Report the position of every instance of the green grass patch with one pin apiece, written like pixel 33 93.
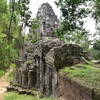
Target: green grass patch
pixel 1 73
pixel 16 96
pixel 87 75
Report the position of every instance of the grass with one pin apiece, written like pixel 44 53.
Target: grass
pixel 1 73
pixel 87 75
pixel 16 96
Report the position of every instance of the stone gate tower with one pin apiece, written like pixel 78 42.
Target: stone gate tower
pixel 47 19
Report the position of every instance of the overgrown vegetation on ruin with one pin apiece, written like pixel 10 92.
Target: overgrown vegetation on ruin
pixel 86 74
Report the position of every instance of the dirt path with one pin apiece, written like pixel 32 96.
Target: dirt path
pixel 3 84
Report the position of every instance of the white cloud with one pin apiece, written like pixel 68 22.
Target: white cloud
pixel 90 25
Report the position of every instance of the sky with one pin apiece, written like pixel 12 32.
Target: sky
pixel 35 4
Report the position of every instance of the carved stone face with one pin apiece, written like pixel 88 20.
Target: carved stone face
pixel 48 20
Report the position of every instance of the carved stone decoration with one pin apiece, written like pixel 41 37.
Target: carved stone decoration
pixel 48 20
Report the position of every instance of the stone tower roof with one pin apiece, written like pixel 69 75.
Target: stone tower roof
pixel 46 11
pixel 48 20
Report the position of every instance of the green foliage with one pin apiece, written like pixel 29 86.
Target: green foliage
pixel 87 75
pixel 33 30
pixel 23 6
pixel 34 40
pixel 11 39
pixel 34 25
pixel 3 16
pixel 11 75
pixel 95 50
pixel 96 45
pixel 96 16
pixel 72 14
pixel 1 73
pixel 29 62
pixel 97 10
pixel 13 65
pixel 16 96
pixel 95 54
pixel 71 26
pixel 3 7
pixel 25 21
pixel 7 54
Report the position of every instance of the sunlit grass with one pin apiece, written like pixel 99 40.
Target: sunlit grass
pixel 87 75
pixel 16 96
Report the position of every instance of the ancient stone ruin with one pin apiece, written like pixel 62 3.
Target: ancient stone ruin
pixel 41 61
pixel 47 19
pixel 38 67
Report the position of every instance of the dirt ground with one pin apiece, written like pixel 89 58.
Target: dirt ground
pixel 4 83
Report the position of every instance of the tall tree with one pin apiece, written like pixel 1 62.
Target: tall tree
pixel 25 15
pixel 97 10
pixel 96 15
pixel 7 50
pixel 73 12
pixel 12 9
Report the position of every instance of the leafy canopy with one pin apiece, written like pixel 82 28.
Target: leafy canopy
pixel 73 11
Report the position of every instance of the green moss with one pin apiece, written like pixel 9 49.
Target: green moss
pixel 16 96
pixel 34 41
pixel 87 75
pixel 29 62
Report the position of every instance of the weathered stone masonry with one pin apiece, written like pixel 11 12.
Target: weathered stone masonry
pixel 41 62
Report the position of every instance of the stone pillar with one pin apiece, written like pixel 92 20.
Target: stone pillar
pixel 54 82
pixel 19 77
pixel 25 79
pixel 32 78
